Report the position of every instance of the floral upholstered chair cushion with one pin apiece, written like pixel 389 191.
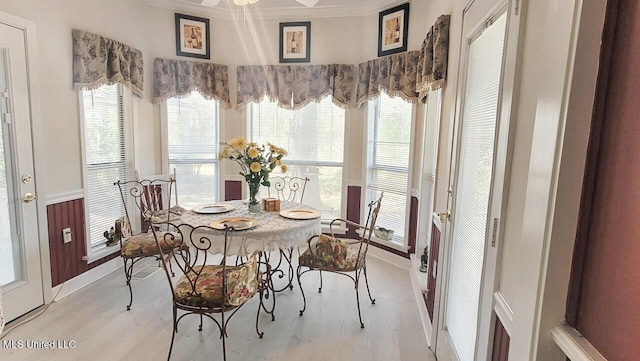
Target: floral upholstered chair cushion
pixel 333 253
pixel 242 284
pixel 174 214
pixel 143 245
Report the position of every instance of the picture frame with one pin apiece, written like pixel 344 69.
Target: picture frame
pixel 393 30
pixel 192 36
pixel 295 42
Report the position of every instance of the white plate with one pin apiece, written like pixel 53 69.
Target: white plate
pixel 300 213
pixel 238 223
pixel 213 208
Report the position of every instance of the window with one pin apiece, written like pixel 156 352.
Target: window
pixel 192 128
pixel 107 149
pixel 429 166
pixel 389 148
pixel 314 139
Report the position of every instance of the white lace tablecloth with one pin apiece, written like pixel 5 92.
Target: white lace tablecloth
pixel 272 232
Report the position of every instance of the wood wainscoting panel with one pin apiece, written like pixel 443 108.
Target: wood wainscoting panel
pixel 434 249
pixel 354 194
pixel 501 340
pixel 66 258
pixel 413 224
pixel 232 190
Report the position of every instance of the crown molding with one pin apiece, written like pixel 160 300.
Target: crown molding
pixel 281 13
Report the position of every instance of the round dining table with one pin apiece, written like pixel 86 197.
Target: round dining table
pixel 271 233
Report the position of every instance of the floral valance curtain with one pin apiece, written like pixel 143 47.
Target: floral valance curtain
pixel 98 60
pixel 295 86
pixel 175 78
pixel 396 74
pixel 434 57
pixel 409 75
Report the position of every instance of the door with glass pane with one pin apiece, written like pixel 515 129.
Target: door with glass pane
pixel 20 267
pixel 480 150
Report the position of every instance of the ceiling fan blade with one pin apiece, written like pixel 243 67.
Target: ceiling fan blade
pixel 308 3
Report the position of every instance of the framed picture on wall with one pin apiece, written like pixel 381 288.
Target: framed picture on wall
pixel 295 42
pixel 393 28
pixel 192 36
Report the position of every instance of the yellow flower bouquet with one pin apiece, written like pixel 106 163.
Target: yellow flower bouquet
pixel 256 163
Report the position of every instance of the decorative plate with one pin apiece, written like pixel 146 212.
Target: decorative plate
pixel 300 213
pixel 213 208
pixel 238 223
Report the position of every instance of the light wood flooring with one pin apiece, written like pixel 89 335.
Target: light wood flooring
pixel 96 320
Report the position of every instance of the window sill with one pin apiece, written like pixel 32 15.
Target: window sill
pixel 101 252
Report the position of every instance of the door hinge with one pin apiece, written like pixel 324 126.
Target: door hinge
pixel 5 94
pixel 495 232
pixel 517 7
pixel 6 118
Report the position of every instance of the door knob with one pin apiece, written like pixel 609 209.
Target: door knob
pixel 29 197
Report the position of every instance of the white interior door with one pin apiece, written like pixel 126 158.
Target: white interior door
pixel 479 178
pixel 20 264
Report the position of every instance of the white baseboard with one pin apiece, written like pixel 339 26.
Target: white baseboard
pixel 84 279
pixel 416 285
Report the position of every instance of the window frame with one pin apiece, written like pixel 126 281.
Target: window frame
pixel 411 191
pixel 164 135
pixel 97 252
pixel 341 228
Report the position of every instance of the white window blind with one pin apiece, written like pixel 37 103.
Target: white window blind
pixel 106 157
pixel 193 141
pixel 474 174
pixel 389 147
pixel 429 166
pixel 314 139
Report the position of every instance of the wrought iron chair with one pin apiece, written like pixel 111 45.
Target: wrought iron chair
pixel 159 199
pixel 135 246
pixel 205 289
pixel 343 257
pixel 290 189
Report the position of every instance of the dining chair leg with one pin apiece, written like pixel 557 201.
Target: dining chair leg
pixel 171 267
pixel 366 281
pixel 200 328
pixel 260 334
pixel 320 288
pixel 128 270
pixel 223 332
pixel 358 300
pixel 174 331
pixel 304 299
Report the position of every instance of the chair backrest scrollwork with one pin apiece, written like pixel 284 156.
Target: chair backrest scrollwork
pixel 289 189
pixel 145 195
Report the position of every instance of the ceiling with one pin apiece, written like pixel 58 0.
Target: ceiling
pixel 278 9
